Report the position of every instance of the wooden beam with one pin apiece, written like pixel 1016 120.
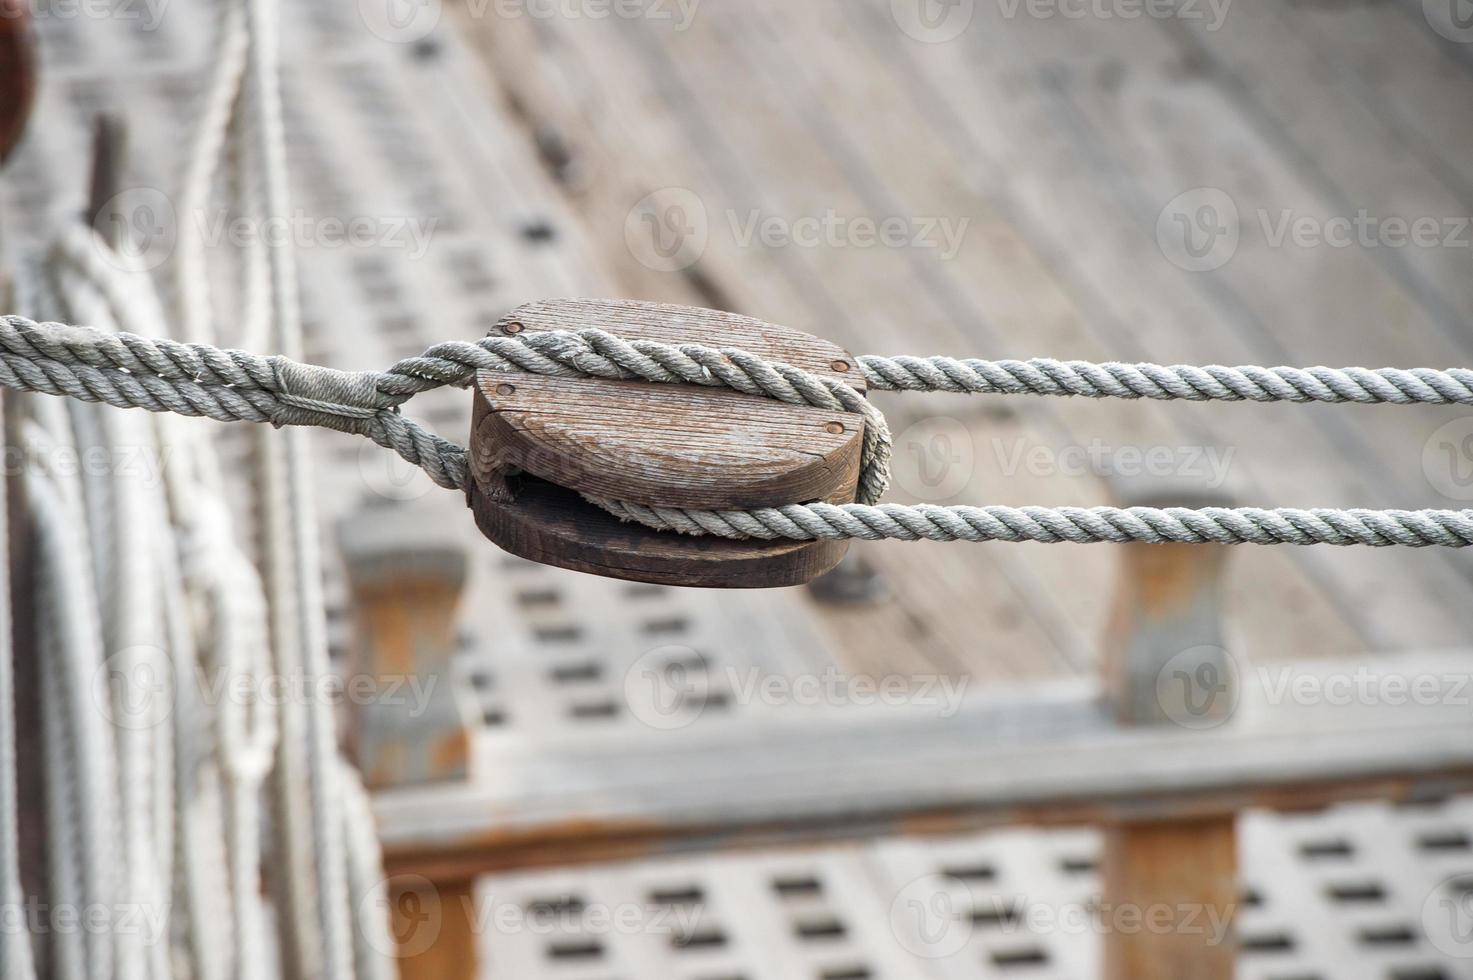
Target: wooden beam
pixel 1039 754
pixel 1170 890
pixel 1169 886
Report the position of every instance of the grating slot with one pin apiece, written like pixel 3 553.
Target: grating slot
pixel 825 928
pixel 1356 892
pixel 579 949
pixel 567 633
pixel 578 673
pixel 1445 840
pixel 998 913
pixel 666 626
pixel 1394 935
pixel 1270 942
pixel 707 938
pixel 1326 849
pixel 593 710
pixel 1023 956
pixel 793 887
pixel 539 598
pixel 558 905
pixel 971 872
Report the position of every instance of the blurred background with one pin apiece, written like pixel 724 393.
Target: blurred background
pixel 1177 181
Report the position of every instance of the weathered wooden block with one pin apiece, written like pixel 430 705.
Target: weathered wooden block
pixel 537 443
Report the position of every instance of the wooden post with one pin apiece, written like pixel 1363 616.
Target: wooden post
pixel 1170 887
pixel 406 572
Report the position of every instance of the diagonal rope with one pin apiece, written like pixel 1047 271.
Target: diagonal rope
pixel 229 385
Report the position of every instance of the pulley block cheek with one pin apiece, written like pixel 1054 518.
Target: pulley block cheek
pixel 539 444
pixel 17 72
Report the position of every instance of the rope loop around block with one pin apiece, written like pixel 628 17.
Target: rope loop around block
pixel 129 371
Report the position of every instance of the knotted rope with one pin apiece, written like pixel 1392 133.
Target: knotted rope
pixel 129 371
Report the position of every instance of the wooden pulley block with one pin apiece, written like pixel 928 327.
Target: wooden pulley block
pixel 538 443
pixel 17 72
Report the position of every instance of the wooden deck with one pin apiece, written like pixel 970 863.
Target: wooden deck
pixel 1059 142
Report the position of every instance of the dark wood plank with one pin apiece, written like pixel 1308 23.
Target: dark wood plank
pixel 552 525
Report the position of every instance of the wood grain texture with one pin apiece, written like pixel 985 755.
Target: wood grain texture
pixel 669 445
pixel 1169 894
pixel 536 442
pixel 1016 125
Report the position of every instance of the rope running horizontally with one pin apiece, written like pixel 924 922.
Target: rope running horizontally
pixel 230 385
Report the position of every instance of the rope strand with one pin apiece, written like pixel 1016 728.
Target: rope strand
pixel 126 370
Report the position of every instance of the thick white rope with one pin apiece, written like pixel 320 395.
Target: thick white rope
pixel 17 959
pixel 288 519
pixel 196 379
pixel 82 785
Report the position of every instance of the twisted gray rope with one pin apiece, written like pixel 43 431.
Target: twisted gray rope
pixel 229 385
pixel 1045 376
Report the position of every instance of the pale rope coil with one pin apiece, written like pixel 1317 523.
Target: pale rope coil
pixel 194 379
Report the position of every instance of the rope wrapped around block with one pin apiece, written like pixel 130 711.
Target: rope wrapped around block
pixel 129 371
